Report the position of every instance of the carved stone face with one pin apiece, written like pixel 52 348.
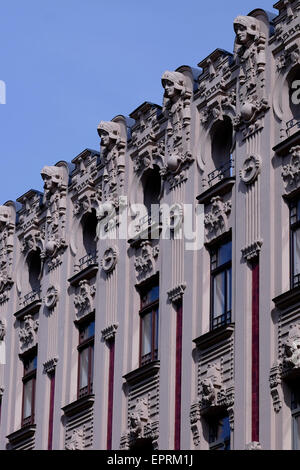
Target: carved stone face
pixel 105 139
pixel 47 182
pixel 242 34
pixel 4 216
pixel 169 88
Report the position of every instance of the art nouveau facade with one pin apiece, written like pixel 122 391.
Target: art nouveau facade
pixel 151 341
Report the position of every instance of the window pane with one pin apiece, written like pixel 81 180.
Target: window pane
pixel 87 331
pixel 219 294
pixel 84 368
pixel 150 296
pixel 27 408
pixel 30 364
pixel 296 432
pixel 224 253
pixel 156 329
pixel 228 290
pixel 296 247
pixel 226 433
pixel 92 362
pixel 146 333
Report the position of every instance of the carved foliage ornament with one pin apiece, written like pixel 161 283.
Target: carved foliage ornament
pixel 2 330
pixel 83 300
pixel 144 264
pixel 109 259
pixel 291 172
pixel 216 220
pixel 76 441
pixel 251 169
pixel 51 297
pixel 109 332
pixel 6 248
pixel 28 334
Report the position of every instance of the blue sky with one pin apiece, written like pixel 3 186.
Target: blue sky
pixel 68 64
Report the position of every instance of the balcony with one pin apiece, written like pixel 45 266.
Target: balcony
pixel 224 171
pixel 221 320
pixel 86 268
pixel 147 227
pixel 220 182
pixel 292 126
pixel 30 304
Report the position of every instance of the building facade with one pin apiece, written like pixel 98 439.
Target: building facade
pixel 163 334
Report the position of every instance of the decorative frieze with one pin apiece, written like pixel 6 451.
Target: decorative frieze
pixel 145 262
pixel 28 333
pixel 84 299
pixel 216 220
pixel 251 251
pixel 291 171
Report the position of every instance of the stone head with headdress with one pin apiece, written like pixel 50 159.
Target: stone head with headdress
pixel 52 176
pixel 246 29
pixel 109 132
pixel 173 83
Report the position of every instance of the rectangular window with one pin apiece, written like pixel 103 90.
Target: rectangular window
pixel 295 408
pixel 29 378
pixel 295 243
pixel 219 433
pixel 221 285
pixel 86 358
pixel 149 318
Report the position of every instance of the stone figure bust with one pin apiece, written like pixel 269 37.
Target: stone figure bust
pixel 246 29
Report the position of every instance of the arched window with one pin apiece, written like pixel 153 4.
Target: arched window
pixel 291 100
pixel 89 242
pixel 221 145
pixel 151 182
pixel 34 270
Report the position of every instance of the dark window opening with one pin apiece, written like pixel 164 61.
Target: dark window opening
pixel 29 379
pixel 149 323
pixel 295 243
pixel 221 284
pixel 86 358
pixel 34 270
pixel 219 432
pixel 295 409
pixel 221 147
pixel 151 182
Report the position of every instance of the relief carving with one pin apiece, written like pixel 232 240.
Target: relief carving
pixel 28 334
pixel 250 55
pixel 76 441
pixel 251 169
pixel 145 263
pixel 7 228
pixel 291 172
pixel 109 259
pixel 2 330
pixel 216 220
pixel 55 188
pixel 84 299
pixel 176 108
pixel 51 297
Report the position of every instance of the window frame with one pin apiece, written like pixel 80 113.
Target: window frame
pixel 225 318
pixel 87 343
pixel 27 377
pixel 220 443
pixel 295 414
pixel 151 308
pixel 294 226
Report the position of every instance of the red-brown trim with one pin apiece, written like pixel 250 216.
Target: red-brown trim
pixel 178 375
pixel 51 410
pixel 111 345
pixel 255 352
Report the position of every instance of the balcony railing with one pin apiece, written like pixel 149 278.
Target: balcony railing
pixel 87 260
pixel 147 358
pixel 291 124
pixel 224 171
pixel 31 297
pixel 221 320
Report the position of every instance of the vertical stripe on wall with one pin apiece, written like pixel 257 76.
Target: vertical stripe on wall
pixel 255 352
pixel 178 375
pixel 111 345
pixel 51 409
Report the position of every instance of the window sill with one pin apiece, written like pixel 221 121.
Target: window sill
pixel 86 273
pixel 284 146
pixel 219 189
pixel 143 372
pixel 290 298
pixel 214 336
pixel 30 308
pixel 21 435
pixel 79 405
